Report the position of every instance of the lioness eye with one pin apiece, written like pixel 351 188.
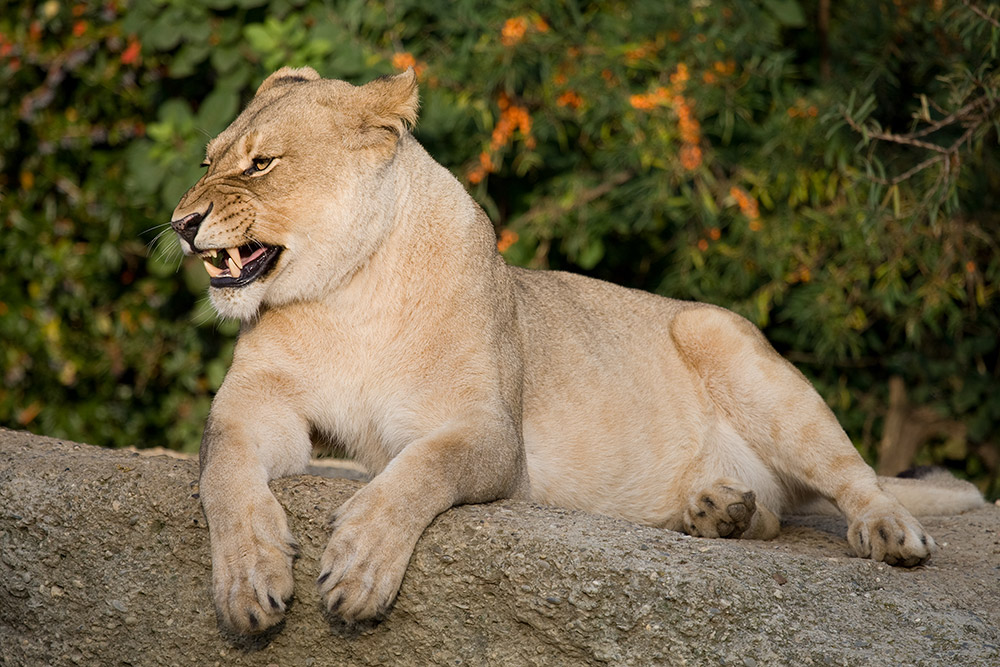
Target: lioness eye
pixel 257 165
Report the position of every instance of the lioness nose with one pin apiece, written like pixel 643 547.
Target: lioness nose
pixel 187 227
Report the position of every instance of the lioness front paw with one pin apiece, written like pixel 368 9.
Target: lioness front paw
pixel 252 568
pixel 893 537
pixel 724 509
pixel 364 563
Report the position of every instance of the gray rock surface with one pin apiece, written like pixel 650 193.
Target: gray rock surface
pixel 104 561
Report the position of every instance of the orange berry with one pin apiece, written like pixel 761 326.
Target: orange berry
pixel 486 162
pixel 130 55
pixel 506 240
pixel 690 157
pixel 644 50
pixel 680 74
pixel 570 99
pixel 476 175
pixel 403 60
pixel 513 30
pixel 641 102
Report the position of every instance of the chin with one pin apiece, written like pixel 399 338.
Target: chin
pixel 239 303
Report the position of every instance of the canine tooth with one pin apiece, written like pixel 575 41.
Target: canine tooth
pixel 235 254
pixel 212 269
pixel 234 270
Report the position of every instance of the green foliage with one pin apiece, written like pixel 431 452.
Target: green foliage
pixel 842 197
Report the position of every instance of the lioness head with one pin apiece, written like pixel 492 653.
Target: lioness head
pixel 295 196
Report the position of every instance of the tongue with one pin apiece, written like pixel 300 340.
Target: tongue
pixel 254 255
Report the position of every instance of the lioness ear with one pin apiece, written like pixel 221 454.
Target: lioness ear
pixel 390 103
pixel 287 75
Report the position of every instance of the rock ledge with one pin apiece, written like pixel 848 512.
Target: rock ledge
pixel 104 560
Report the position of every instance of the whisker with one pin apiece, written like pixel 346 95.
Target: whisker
pixel 149 229
pixel 158 240
pixel 165 251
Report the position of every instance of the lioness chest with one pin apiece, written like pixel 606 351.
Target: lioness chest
pixel 371 379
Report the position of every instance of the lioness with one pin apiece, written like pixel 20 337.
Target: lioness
pixel 377 312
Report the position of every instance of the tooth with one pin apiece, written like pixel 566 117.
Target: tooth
pixel 235 254
pixel 213 253
pixel 233 269
pixel 213 270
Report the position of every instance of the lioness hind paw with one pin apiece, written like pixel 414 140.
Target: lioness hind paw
pixel 725 509
pixel 896 540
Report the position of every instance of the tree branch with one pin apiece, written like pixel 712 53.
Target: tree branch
pixel 983 15
pixel 944 154
pixel 548 209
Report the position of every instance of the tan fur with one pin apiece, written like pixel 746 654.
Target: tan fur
pixel 390 324
pixel 935 493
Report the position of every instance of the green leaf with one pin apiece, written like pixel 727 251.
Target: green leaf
pixel 591 253
pixel 166 31
pixel 187 58
pixel 788 12
pixel 261 39
pixel 218 110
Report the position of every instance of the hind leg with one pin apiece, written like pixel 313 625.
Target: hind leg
pixel 792 430
pixel 727 508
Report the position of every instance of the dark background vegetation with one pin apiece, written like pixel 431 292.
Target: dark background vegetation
pixel 828 170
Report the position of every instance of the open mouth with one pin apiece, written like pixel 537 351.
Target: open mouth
pixel 238 267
